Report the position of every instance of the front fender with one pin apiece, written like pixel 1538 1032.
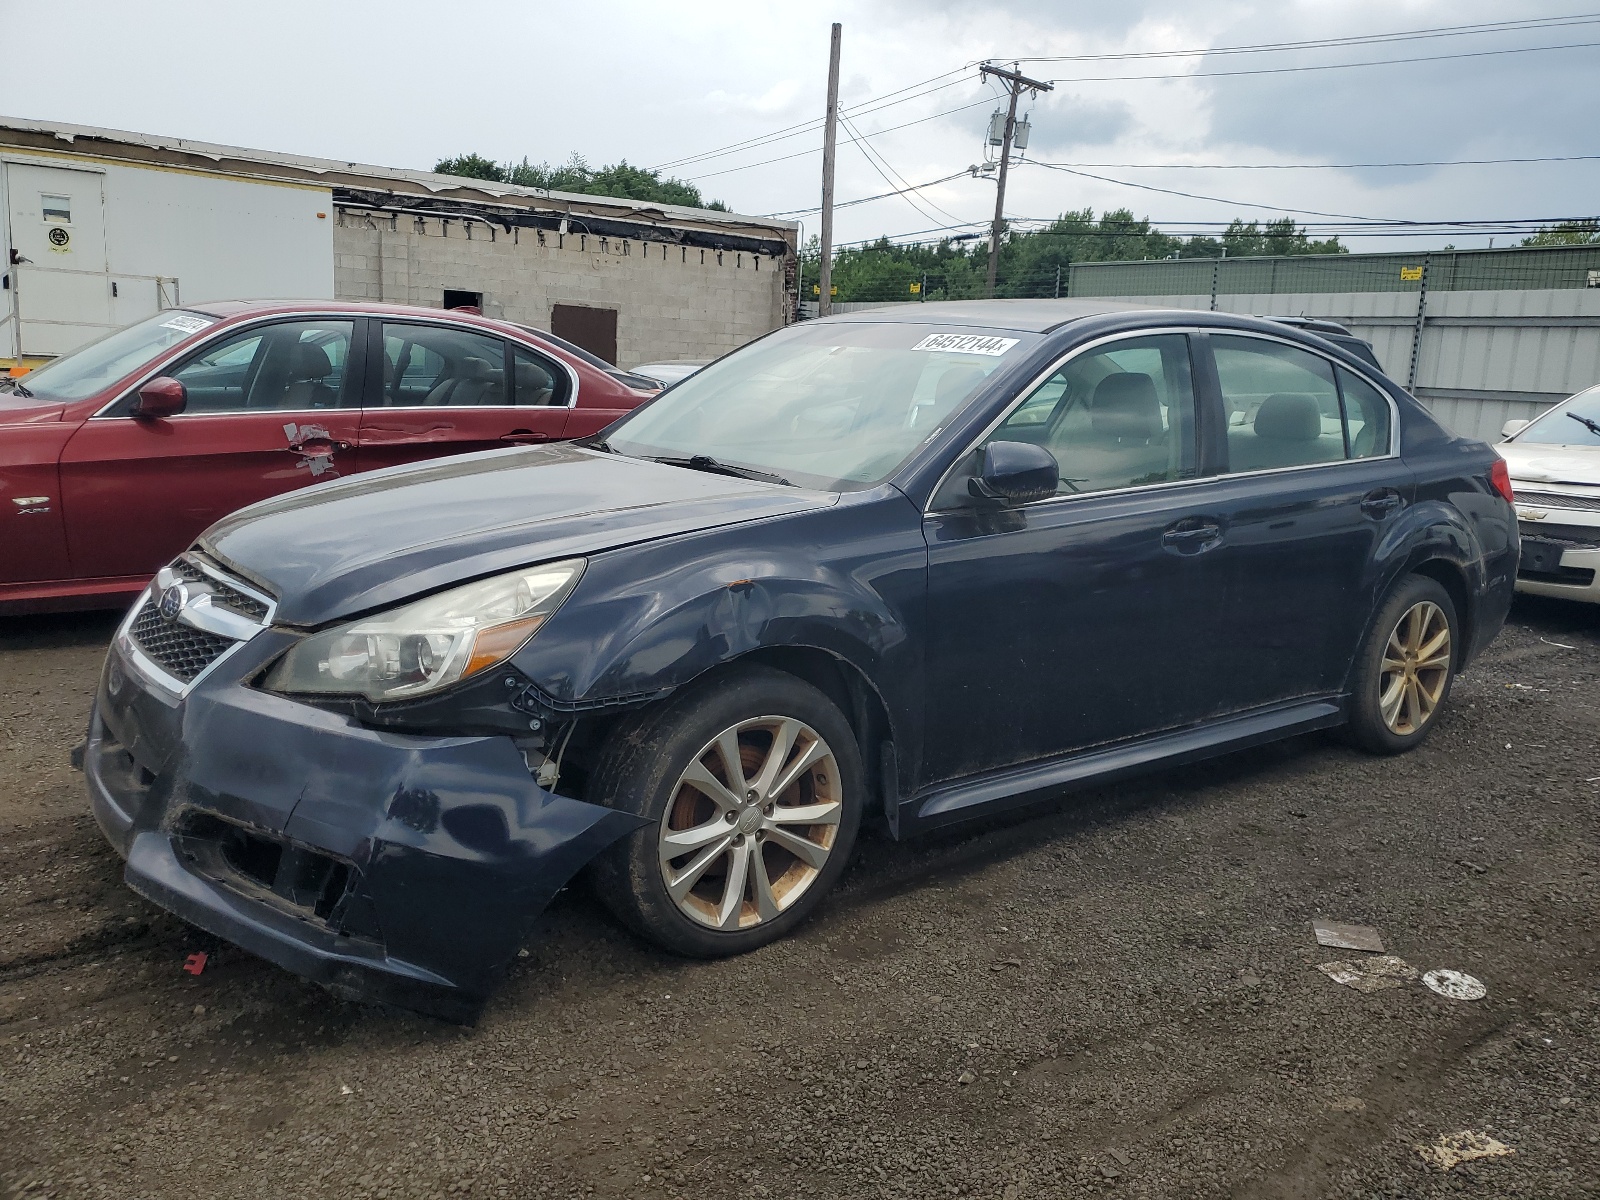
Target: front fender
pixel 648 619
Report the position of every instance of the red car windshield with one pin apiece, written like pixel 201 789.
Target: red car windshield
pixel 85 371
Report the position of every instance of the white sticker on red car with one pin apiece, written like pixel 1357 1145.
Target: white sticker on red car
pixel 184 323
pixel 966 343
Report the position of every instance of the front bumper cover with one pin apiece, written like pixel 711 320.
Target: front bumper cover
pixel 385 866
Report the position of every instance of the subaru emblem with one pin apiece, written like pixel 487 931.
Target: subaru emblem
pixel 173 600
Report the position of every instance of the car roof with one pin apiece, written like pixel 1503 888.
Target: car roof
pixel 1026 316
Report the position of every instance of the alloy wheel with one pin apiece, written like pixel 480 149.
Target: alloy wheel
pixel 1416 668
pixel 751 822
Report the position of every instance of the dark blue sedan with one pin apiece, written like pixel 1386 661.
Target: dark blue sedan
pixel 927 563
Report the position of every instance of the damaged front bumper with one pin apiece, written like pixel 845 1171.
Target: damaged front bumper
pixel 385 866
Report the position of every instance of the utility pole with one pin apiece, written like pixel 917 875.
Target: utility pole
pixel 1014 83
pixel 829 135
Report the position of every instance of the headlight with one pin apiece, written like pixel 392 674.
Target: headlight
pixel 429 644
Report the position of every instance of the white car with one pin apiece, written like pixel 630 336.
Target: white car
pixel 668 373
pixel 1555 473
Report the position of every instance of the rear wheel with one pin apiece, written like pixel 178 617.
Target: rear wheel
pixel 1405 668
pixel 752 787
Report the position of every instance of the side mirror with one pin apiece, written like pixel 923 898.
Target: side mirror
pixel 1016 473
pixel 1513 427
pixel 161 397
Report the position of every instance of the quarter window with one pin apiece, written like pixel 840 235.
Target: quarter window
pixel 1282 405
pixel 438 365
pixel 536 380
pixel 289 366
pixel 1366 416
pixel 1117 417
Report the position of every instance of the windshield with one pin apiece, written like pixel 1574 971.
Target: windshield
pixel 1576 422
pixel 83 372
pixel 834 406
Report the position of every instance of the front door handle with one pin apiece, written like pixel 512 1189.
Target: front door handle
pixel 318 446
pixel 526 437
pixel 1192 535
pixel 1380 503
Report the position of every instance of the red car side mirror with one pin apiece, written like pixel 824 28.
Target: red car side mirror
pixel 161 397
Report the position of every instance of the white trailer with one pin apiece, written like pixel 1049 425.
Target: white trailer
pixel 92 244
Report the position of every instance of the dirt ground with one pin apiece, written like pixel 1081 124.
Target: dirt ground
pixel 1115 996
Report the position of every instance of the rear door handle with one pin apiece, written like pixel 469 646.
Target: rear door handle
pixel 1379 504
pixel 527 437
pixel 1192 535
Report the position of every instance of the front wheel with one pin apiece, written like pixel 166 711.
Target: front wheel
pixel 752 786
pixel 1405 668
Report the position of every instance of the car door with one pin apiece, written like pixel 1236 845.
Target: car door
pixel 1071 622
pixel 1310 487
pixel 440 389
pixel 269 407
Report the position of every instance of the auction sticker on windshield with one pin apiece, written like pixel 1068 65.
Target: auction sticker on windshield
pixel 966 343
pixel 184 323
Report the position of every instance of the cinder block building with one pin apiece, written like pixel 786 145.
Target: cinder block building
pixel 104 227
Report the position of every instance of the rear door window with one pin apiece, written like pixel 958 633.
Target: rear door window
pixel 442 366
pixel 1282 405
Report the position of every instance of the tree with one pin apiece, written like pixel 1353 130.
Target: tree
pixel 576 175
pixel 1567 233
pixel 1283 236
pixel 473 166
pixel 1031 263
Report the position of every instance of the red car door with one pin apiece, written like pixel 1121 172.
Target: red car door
pixel 269 408
pixel 447 389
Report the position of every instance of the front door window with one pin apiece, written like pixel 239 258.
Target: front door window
pixel 288 367
pixel 1118 417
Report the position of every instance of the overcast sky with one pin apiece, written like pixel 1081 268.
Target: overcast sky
pixel 403 84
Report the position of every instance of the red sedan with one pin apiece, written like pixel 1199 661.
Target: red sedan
pixel 114 457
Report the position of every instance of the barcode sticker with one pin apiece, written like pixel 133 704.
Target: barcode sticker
pixel 184 323
pixel 966 343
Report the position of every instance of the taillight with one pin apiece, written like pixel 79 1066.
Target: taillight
pixel 1500 480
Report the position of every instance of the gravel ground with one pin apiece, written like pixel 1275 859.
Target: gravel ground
pixel 1113 996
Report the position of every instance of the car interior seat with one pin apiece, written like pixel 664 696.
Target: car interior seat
pixel 1126 441
pixel 534 384
pixel 1287 432
pixel 306 384
pixel 475 382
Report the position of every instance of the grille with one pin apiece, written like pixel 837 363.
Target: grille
pixel 179 650
pixel 221 593
pixel 1584 536
pixel 1557 500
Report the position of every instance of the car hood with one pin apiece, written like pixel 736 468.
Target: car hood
pixel 27 410
pixel 374 540
pixel 1545 463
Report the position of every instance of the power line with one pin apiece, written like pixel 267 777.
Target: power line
pixel 898 178
pixel 1449 162
pixel 887 99
pixel 818 149
pixel 854 137
pixel 1377 62
pixel 915 187
pixel 1146 187
pixel 1370 39
pixel 865 107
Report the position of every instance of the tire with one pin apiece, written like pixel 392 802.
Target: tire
pixel 763 867
pixel 1388 662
